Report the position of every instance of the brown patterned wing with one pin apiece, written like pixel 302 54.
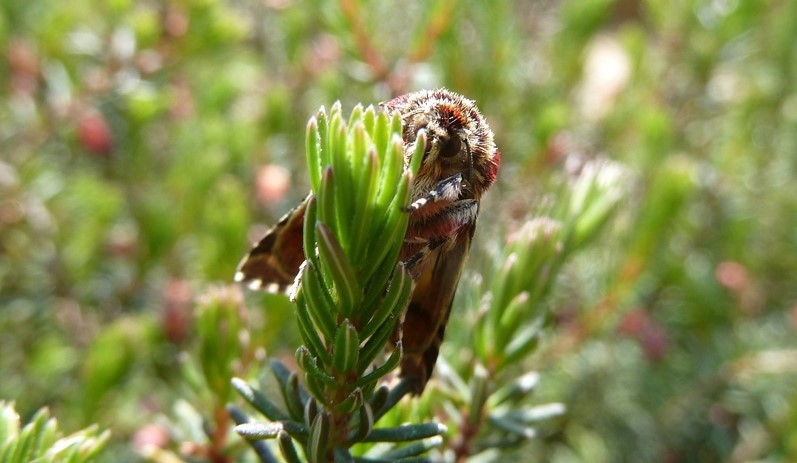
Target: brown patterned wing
pixel 427 315
pixel 274 261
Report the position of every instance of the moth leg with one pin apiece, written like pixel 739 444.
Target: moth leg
pixel 448 188
pixel 425 251
pixel 443 226
pixel 445 223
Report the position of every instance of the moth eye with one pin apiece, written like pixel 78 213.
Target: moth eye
pixel 451 147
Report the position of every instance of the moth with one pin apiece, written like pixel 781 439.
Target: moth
pixel 460 163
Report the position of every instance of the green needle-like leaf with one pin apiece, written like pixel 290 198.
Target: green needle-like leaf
pixel 375 344
pixel 421 142
pixel 358 142
pixel 478 393
pixel 324 158
pixel 414 449
pixel 308 232
pixel 317 388
pixel 369 120
pixel 365 424
pixel 383 255
pixel 293 397
pixel 290 396
pixel 334 150
pixel 259 401
pixel 394 166
pixel 511 426
pixel 259 431
pixel 351 403
pixel 379 397
pixel 362 223
pixel 404 387
pixel 260 448
pixel 346 284
pixel 310 410
pixel 391 363
pixel 308 331
pixel 319 438
pixel 356 115
pixel 511 318
pixel 452 378
pixel 515 391
pixel 326 198
pixel 318 301
pixel 406 433
pixel 342 455
pixel 347 347
pixel 287 448
pixel 280 371
pixel 536 414
pixel 501 292
pixel 312 150
pixel 344 192
pixel 398 290
pixel 309 364
pixel 395 123
pixel 381 132
pixel 523 342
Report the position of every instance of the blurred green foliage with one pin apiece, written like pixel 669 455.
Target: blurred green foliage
pixel 41 441
pixel 140 140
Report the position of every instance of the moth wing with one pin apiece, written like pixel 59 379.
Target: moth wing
pixel 274 261
pixel 427 314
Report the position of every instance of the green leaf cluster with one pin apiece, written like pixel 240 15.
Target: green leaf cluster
pixel 350 295
pixel 41 441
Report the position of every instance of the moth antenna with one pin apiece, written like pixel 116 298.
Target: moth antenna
pixel 469 175
pixel 411 113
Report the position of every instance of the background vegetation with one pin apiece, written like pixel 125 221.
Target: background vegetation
pixel 140 142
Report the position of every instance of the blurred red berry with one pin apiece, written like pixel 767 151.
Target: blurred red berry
pixel 732 275
pixel 150 437
pixel 175 22
pixel 23 64
pixel 651 336
pixel 177 297
pixel 272 184
pixel 634 323
pixel 94 133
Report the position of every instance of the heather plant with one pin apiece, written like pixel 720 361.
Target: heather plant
pixel 629 291
pixel 348 308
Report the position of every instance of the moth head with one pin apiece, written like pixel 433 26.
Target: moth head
pixel 458 137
